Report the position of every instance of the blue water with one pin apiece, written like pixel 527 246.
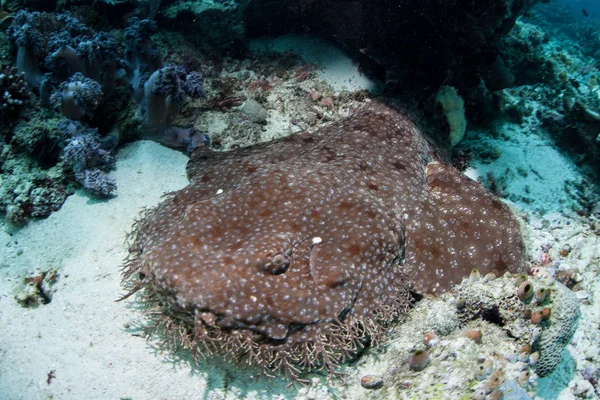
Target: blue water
pixel 577 7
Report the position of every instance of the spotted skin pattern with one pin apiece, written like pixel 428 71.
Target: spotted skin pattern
pixel 283 243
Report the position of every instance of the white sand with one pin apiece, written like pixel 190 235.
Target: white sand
pixel 531 167
pixel 333 65
pixel 81 334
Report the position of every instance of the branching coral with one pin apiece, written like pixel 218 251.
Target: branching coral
pixel 14 92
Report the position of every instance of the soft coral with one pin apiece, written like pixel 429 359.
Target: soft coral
pixel 32 33
pixel 78 98
pixel 164 93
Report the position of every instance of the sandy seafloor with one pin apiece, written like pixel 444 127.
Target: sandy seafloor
pixel 90 343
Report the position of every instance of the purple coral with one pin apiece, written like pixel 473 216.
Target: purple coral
pixel 194 86
pixel 29 44
pixel 33 32
pixel 164 93
pixel 94 57
pixel 100 55
pixel 139 44
pixel 141 57
pixel 85 151
pixel 78 98
pixel 96 181
pixel 63 46
pixel 88 159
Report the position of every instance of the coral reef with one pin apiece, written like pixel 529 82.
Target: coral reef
pixel 480 342
pixel 141 58
pixel 96 181
pixel 76 70
pixel 333 243
pixel 164 94
pixel 30 197
pixel 216 27
pixel 94 57
pixel 416 44
pixel 515 307
pixel 523 50
pixel 56 52
pixel 33 181
pixel 35 35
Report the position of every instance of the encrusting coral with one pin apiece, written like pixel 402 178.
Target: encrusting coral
pixel 292 254
pixel 545 323
pixel 562 324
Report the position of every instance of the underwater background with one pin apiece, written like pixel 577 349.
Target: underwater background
pixel 103 102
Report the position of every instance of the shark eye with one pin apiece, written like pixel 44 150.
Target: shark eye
pixel 279 264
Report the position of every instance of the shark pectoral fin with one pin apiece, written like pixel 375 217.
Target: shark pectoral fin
pixel 480 230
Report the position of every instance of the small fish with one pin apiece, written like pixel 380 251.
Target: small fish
pixel 585 12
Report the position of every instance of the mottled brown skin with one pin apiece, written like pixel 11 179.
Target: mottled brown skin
pixel 311 243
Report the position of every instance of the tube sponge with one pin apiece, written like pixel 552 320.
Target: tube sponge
pixel 562 325
pixel 454 110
